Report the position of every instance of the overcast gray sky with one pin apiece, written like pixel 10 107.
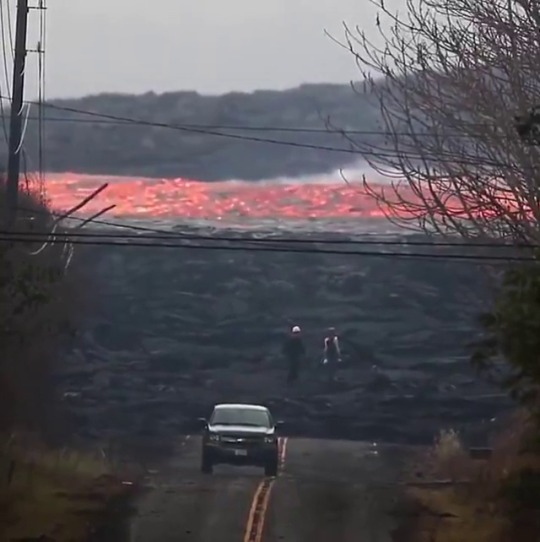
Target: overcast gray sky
pixel 212 46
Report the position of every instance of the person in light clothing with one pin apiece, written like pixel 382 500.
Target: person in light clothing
pixel 331 353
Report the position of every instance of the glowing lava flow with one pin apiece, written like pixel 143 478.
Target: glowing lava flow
pixel 186 199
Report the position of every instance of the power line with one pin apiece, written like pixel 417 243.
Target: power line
pixel 5 48
pixel 248 128
pixel 161 233
pixel 157 234
pixel 438 157
pixel 41 87
pixel 38 238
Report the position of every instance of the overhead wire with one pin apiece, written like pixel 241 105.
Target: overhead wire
pixel 437 158
pixel 242 128
pixel 209 130
pixel 274 241
pixel 98 238
pixel 24 127
pixel 10 28
pixel 6 46
pixel 41 86
pixel 91 241
pixel 156 233
pixel 40 51
pixel 242 238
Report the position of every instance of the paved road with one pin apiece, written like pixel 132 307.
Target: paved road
pixel 326 491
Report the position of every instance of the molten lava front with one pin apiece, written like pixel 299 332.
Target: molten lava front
pixel 187 199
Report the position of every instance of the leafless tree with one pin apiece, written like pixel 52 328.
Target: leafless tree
pixel 450 78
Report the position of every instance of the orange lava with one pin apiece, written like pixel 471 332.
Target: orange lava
pixel 188 199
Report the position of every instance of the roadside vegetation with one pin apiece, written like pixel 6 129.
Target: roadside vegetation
pixel 47 488
pixel 457 497
pixel 460 104
pixel 59 493
pixel 494 498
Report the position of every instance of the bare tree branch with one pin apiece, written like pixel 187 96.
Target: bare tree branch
pixel 67 254
pixel 95 216
pixel 83 203
pixel 453 76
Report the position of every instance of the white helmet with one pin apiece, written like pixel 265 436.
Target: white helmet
pixel 296 329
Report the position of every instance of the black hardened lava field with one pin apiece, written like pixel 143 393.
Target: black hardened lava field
pixel 171 331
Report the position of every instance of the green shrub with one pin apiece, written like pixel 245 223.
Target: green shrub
pixel 513 335
pixel 521 489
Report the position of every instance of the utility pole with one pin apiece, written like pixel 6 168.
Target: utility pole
pixel 15 128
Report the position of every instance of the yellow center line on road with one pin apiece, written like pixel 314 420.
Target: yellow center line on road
pixel 261 498
pixel 282 451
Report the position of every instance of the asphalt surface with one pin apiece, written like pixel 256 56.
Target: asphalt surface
pixel 326 491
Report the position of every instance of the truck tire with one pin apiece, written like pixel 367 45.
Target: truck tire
pixel 271 468
pixel 206 464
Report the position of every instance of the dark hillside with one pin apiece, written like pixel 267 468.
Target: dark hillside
pixel 105 148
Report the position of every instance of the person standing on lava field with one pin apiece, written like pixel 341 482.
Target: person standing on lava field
pixel 295 353
pixel 331 353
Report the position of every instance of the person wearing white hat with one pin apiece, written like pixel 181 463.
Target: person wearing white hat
pixel 295 352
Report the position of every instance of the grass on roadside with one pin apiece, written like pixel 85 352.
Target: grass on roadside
pixel 60 494
pixel 496 499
